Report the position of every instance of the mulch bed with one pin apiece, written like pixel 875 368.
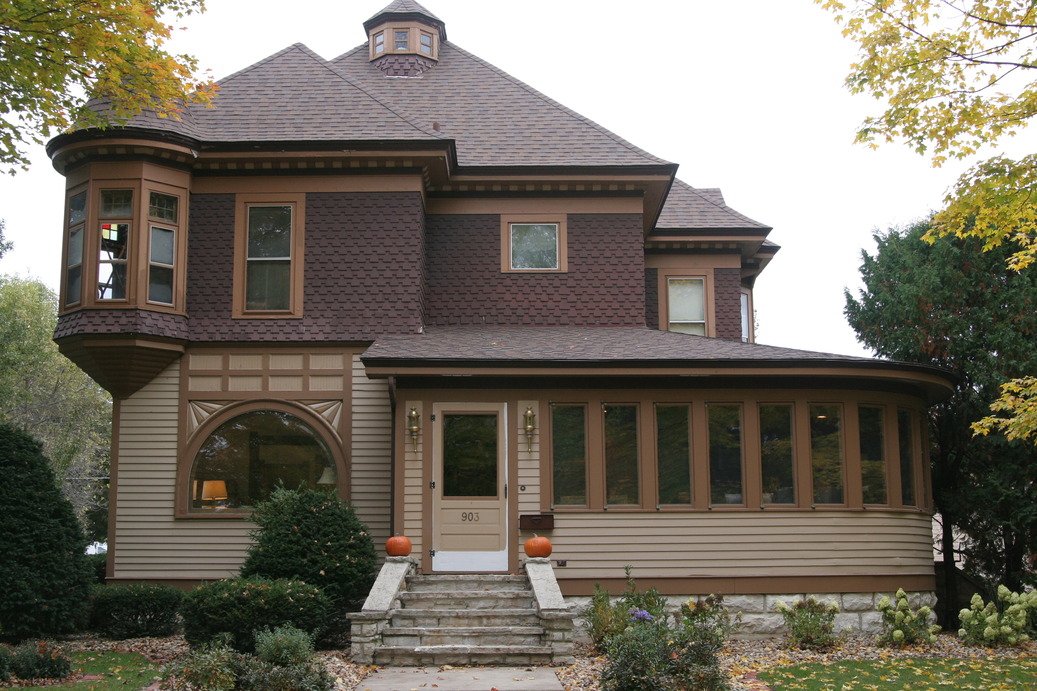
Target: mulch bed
pixel 742 658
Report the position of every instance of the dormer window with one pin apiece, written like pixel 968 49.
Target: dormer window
pixel 401 41
pixel 378 41
pixel 426 43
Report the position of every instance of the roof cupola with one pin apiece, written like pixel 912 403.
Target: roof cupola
pixel 404 38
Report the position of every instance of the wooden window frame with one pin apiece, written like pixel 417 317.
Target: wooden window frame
pixel 706 276
pixel 749 325
pixel 83 226
pixel 559 220
pixel 158 222
pixel 844 448
pixel 243 203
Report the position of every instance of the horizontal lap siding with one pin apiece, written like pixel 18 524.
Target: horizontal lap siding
pixel 371 453
pixel 149 543
pixel 729 544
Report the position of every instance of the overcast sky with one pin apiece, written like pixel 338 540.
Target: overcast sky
pixel 746 95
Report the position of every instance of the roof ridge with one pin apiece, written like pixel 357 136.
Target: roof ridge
pixel 723 207
pixel 249 68
pixel 558 106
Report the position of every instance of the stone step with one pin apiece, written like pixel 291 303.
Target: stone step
pixel 462 655
pixel 397 636
pixel 468 599
pixel 417 617
pixel 455 582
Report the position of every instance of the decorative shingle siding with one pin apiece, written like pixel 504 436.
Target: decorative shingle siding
pixel 727 295
pixel 121 321
pixel 363 273
pixel 604 285
pixel 652 298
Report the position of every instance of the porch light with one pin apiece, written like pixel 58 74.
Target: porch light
pixel 414 426
pixel 530 419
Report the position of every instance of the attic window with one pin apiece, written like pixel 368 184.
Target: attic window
pixel 402 40
pixel 379 43
pixel 533 243
pixel 426 43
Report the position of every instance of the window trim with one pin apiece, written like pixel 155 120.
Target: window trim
pixel 706 276
pixel 243 202
pixel 83 227
pixel 559 220
pixel 190 449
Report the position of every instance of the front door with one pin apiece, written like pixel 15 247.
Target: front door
pixel 469 487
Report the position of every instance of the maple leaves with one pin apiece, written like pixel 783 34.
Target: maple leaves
pixel 57 54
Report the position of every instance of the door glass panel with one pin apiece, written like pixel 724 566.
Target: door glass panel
pixel 469 455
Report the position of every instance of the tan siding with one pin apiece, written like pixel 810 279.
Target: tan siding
pixel 370 456
pixel 149 543
pixel 414 484
pixel 528 465
pixel 742 544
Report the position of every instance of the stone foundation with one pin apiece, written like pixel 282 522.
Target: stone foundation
pixel 758 618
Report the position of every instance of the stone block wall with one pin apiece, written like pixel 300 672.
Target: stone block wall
pixel 759 618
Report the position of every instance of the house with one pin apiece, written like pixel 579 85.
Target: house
pixel 406 275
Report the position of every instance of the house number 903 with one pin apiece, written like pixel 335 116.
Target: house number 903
pixel 469 516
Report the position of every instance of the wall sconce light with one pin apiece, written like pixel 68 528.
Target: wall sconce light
pixel 530 420
pixel 414 426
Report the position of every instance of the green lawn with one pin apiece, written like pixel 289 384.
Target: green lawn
pixel 122 671
pixel 913 674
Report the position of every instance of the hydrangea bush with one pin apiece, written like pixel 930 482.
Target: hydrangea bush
pixel 903 626
pixel 1004 621
pixel 811 624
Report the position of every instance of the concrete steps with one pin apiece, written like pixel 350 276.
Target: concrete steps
pixel 469 619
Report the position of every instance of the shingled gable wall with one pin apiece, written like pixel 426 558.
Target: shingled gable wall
pixel 364 269
pixel 604 285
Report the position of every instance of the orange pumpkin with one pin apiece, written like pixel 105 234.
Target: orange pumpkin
pixel 537 547
pixel 398 546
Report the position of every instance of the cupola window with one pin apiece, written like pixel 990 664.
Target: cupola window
pixel 379 43
pixel 426 43
pixel 402 40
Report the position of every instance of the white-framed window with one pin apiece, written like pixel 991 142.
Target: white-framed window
pixel 686 305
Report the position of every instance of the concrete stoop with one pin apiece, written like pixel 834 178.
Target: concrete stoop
pixel 468 619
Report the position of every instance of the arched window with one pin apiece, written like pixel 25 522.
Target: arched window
pixel 246 456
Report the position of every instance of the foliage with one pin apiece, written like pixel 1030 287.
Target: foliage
pixel 284 645
pixel 951 305
pixel 1005 621
pixel 112 671
pixel 258 675
pixel 605 618
pixel 208 668
pixel 237 607
pixel 5 663
pixel 40 660
pixel 56 53
pixel 136 610
pixel 98 567
pixel 314 536
pixel 45 394
pixel 811 624
pixel 46 577
pixel 1019 400
pixel 650 654
pixel 5 244
pixel 903 626
pixel 906 673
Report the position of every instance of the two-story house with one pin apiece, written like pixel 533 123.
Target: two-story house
pixel 404 274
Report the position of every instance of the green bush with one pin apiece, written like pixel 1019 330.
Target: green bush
pixel 284 645
pixel 238 607
pixel 5 663
pixel 902 626
pixel 209 668
pixel 606 619
pixel 45 583
pixel 254 674
pixel 133 611
pixel 1003 622
pixel 313 536
pixel 40 660
pixel 811 624
pixel 98 567
pixel 650 655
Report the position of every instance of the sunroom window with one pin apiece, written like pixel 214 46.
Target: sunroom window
pixel 246 457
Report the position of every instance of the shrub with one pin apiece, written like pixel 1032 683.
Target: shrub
pixel 706 619
pixel 254 674
pixel 40 660
pixel 132 611
pixel 649 655
pixel 209 668
pixel 901 626
pixel 605 618
pixel 240 606
pixel 98 564
pixel 811 623
pixel 315 537
pixel 1003 622
pixel 5 663
pixel 284 645
pixel 46 579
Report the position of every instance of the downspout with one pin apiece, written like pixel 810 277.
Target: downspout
pixel 392 456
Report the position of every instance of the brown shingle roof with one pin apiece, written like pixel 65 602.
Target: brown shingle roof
pixel 688 207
